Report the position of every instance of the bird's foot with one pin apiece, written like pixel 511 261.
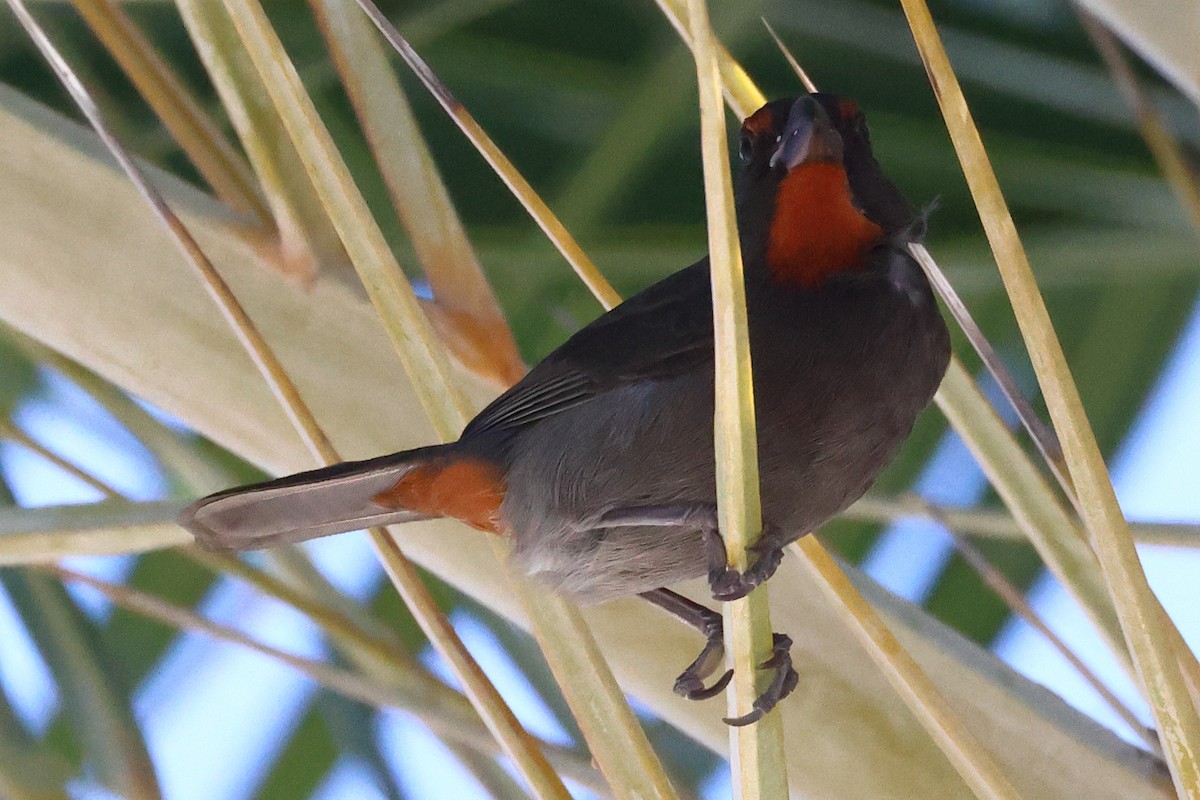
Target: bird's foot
pixel 690 683
pixel 782 684
pixel 728 583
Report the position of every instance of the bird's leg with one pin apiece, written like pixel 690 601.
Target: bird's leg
pixel 690 682
pixel 726 582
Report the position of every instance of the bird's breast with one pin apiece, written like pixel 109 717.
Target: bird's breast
pixel 840 376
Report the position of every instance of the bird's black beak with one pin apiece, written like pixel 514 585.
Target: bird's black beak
pixel 808 137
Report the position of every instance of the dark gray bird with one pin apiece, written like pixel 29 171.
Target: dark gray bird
pixel 599 464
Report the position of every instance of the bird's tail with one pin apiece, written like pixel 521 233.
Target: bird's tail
pixel 336 499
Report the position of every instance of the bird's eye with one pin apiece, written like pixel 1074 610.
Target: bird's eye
pixel 746 147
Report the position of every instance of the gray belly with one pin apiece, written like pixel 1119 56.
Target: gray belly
pixel 827 425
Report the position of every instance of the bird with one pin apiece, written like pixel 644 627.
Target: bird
pixel 599 464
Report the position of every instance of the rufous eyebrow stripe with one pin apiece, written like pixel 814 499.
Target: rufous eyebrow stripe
pixel 467 489
pixel 760 122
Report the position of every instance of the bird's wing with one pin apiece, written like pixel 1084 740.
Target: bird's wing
pixel 663 331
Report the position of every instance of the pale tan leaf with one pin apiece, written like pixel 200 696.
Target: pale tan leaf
pixel 39 535
pixel 198 135
pixel 1164 33
pixel 306 239
pixel 469 312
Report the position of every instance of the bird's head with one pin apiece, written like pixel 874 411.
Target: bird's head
pixel 812 199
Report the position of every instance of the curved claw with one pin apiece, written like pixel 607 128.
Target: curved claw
pixel 693 688
pixel 745 719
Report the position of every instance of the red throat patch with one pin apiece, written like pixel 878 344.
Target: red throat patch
pixel 817 230
pixel 468 489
